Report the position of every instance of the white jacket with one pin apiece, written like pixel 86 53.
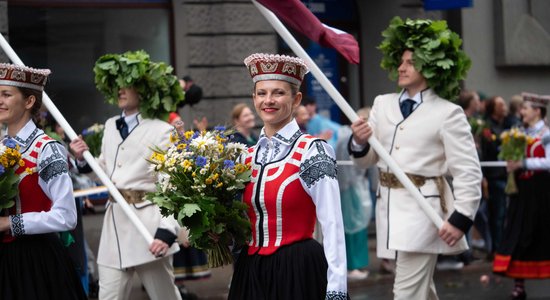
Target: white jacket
pixel 435 140
pixel 121 245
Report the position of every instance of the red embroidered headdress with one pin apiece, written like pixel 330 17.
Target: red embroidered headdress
pixel 276 67
pixel 25 77
pixel 536 100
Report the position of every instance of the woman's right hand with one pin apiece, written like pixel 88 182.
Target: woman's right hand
pixel 78 146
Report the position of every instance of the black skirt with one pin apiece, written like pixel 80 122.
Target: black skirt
pixel 296 271
pixel 38 267
pixel 190 264
pixel 525 248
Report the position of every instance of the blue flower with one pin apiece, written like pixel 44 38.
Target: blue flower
pixel 2 170
pixel 10 143
pixel 219 128
pixel 228 164
pixel 200 161
pixel 195 135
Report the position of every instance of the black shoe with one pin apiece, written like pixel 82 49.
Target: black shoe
pixel 185 294
pixel 519 293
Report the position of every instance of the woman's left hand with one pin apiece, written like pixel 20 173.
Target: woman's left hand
pixel 512 165
pixel 4 224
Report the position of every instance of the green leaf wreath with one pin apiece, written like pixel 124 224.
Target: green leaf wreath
pixel 159 90
pixel 436 53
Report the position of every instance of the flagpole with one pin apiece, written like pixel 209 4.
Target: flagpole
pixel 87 155
pixel 348 111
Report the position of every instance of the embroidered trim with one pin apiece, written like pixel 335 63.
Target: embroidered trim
pixel 333 295
pixel 29 139
pixel 276 150
pixel 293 138
pixel 56 155
pixel 57 167
pixel 318 166
pixel 17 226
pixel 263 161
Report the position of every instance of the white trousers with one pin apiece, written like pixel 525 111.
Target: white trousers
pixel 414 276
pixel 157 277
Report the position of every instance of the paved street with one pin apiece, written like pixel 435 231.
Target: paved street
pixel 463 284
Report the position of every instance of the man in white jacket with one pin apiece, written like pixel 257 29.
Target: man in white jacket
pixel 429 138
pixel 127 142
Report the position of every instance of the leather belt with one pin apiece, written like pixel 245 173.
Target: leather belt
pixel 131 196
pixel 389 180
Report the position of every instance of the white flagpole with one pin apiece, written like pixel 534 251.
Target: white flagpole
pixel 87 155
pixel 348 111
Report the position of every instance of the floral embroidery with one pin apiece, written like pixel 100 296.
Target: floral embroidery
pixel 318 166
pixel 26 143
pixel 52 170
pixel 291 140
pixel 333 295
pixel 17 226
pixel 56 155
pixel 263 161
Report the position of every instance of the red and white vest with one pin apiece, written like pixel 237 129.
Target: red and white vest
pixel 279 208
pixel 31 198
pixel 534 149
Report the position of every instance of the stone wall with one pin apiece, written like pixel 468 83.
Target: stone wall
pixel 212 38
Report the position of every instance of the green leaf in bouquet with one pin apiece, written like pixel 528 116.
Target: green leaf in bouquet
pixel 189 209
pixel 8 187
pixel 7 204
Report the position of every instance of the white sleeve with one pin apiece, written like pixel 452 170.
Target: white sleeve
pixel 54 180
pixel 318 177
pixel 540 163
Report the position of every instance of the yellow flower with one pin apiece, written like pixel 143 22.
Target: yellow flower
pixel 240 168
pixel 208 181
pixel 187 164
pixel 181 146
pixel 194 174
pixel 219 185
pixel 215 176
pixel 493 137
pixel 504 135
pixel 173 137
pixel 29 171
pixel 21 163
pixel 188 134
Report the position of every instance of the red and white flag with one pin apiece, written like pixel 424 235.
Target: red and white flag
pixel 296 15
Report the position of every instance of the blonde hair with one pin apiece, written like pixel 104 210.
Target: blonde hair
pixel 237 111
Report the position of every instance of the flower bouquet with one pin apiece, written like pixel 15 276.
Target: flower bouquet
pixel 93 136
pixel 512 148
pixel 10 158
pixel 200 182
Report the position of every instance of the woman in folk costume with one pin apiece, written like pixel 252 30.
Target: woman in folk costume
pixel 33 262
pixel 293 183
pixel 524 252
pixel 146 92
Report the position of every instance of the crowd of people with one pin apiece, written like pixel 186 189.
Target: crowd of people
pixel 309 216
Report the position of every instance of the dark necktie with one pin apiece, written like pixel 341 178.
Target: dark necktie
pixel 407 107
pixel 122 127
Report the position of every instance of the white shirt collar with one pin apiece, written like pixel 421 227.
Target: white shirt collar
pixel 405 95
pixel 131 120
pixel 287 135
pixel 29 130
